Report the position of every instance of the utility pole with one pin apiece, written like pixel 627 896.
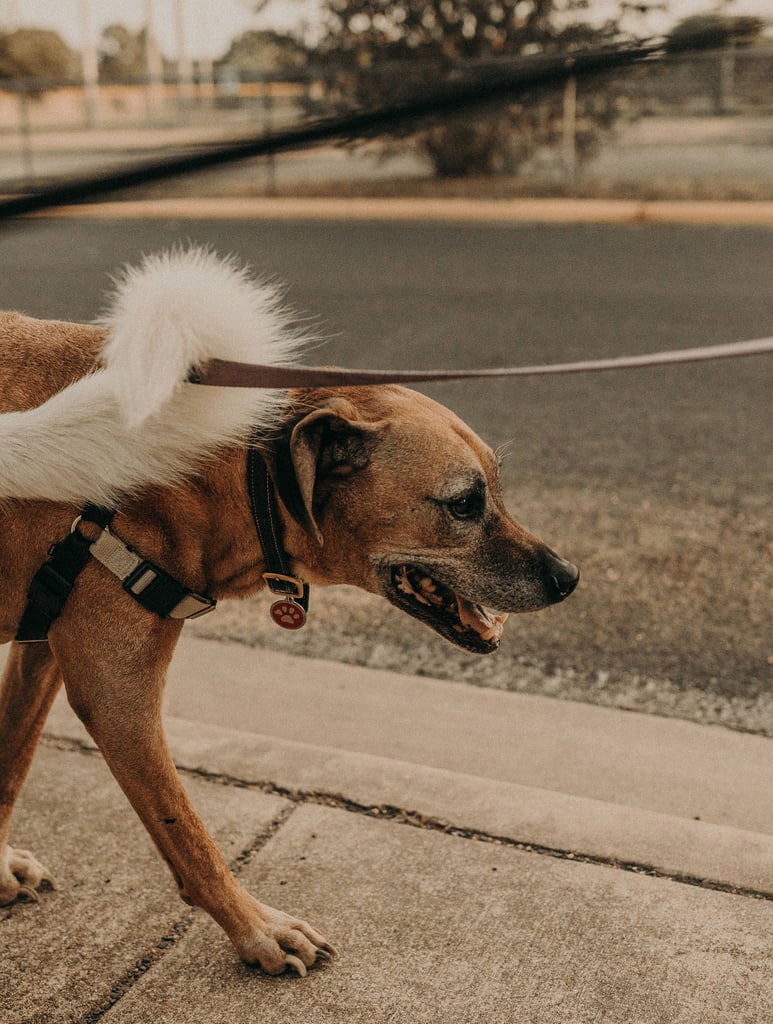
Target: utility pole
pixel 90 65
pixel 184 62
pixel 726 99
pixel 569 132
pixel 154 65
pixel 202 46
pixel 10 22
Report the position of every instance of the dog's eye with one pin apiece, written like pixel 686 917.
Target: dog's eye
pixel 469 506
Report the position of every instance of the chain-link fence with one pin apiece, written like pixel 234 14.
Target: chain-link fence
pixel 49 127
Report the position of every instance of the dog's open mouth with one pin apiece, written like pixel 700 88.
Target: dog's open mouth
pixel 467 625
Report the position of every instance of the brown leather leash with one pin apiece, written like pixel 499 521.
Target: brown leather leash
pixel 225 373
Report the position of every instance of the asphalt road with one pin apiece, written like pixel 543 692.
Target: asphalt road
pixel 657 482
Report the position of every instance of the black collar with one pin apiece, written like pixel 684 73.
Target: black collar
pixel 290 611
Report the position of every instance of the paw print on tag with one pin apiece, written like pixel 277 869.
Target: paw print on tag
pixel 288 614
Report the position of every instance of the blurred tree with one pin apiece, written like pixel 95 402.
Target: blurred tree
pixel 376 51
pixel 121 53
pixel 36 53
pixel 261 52
pixel 714 30
pixel 724 33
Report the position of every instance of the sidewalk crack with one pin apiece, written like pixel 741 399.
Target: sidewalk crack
pixel 416 819
pixel 182 926
pixel 127 981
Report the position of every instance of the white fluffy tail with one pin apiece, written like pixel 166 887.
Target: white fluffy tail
pixel 136 422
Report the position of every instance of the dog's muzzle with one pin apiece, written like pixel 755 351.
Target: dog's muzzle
pixel 466 621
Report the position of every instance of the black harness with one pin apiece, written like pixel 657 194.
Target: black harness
pixel 52 583
pixel 147 583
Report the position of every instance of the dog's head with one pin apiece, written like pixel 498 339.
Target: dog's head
pixel 397 495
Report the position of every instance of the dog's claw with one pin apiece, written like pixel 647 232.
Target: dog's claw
pixel 297 965
pixel 26 892
pixel 281 943
pixel 21 875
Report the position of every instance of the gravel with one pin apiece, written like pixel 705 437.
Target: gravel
pixel 663 621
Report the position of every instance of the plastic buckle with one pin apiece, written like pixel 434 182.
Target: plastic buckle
pixel 143 575
pixel 193 606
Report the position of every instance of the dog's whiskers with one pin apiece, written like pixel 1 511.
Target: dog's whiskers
pixel 502 451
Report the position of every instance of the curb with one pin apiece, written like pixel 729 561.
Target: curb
pixel 568 827
pixel 504 212
pixel 329 758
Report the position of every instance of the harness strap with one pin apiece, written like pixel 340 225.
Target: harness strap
pixel 51 585
pixel 149 585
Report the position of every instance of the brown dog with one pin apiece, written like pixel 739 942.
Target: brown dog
pixel 376 487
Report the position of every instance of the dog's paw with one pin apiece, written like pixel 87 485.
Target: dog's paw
pixel 279 942
pixel 21 875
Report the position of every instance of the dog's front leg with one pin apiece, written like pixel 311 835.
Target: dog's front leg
pixel 116 688
pixel 30 681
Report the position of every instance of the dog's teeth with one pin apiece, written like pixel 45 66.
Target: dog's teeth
pixel 404 584
pixel 427 591
pixel 484 621
pixel 481 612
pixel 402 581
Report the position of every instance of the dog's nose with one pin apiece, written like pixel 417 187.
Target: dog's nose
pixel 561 577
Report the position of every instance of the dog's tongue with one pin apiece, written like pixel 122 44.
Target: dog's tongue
pixel 487 624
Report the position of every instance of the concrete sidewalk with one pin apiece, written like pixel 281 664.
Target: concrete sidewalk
pixel 476 856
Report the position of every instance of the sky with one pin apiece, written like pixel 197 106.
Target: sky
pixel 209 27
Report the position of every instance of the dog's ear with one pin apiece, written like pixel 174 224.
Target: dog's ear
pixel 328 443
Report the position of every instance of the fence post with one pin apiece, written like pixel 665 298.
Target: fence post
pixel 569 132
pixel 154 68
pixel 25 136
pixel 727 78
pixel 268 126
pixel 185 90
pixel 90 63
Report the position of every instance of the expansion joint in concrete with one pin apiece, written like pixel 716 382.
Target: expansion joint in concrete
pixel 416 819
pixel 148 960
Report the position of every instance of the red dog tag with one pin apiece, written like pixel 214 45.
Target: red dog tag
pixel 288 614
